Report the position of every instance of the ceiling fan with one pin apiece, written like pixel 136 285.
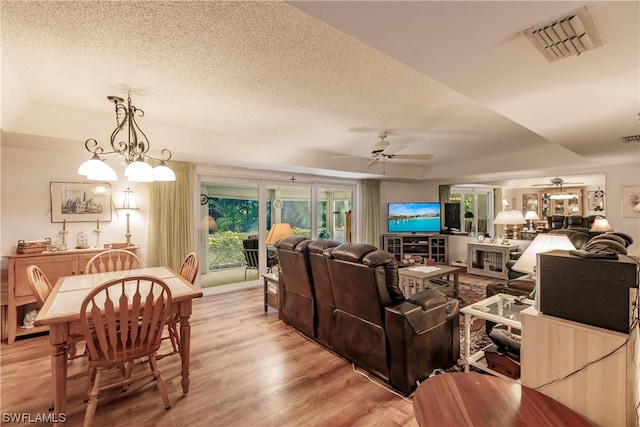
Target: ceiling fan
pixel 384 150
pixel 557 182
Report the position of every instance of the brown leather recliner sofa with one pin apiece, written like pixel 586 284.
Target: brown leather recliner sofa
pixel 400 340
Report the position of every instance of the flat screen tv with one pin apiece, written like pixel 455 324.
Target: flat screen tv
pixel 414 217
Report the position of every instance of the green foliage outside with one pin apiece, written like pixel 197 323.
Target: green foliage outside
pixel 225 248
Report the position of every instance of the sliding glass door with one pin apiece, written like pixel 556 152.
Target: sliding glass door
pixel 231 211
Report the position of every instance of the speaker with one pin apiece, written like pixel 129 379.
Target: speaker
pixel 452 215
pixel 587 290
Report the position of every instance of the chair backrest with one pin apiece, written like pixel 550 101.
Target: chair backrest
pixel 189 267
pixel 39 284
pixel 112 260
pixel 250 250
pixel 298 300
pixel 325 303
pixel 123 319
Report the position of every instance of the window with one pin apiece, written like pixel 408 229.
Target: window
pixel 476 207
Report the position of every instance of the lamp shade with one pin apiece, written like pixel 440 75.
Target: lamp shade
pixel 128 202
pixel 139 171
pixel 277 232
pixel 509 217
pixel 601 225
pixel 531 215
pixel 542 243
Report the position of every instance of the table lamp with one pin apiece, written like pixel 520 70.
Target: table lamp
pixel 277 232
pixel 542 243
pixel 509 217
pixel 128 204
pixel 601 225
pixel 531 216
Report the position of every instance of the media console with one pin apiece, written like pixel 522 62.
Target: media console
pixel 406 247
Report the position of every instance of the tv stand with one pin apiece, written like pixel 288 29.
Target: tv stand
pixel 406 247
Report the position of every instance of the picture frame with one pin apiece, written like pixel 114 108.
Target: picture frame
pixel 80 202
pixel 530 202
pixel 630 200
pixel 595 203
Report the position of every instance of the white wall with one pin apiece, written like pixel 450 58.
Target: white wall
pixel 25 210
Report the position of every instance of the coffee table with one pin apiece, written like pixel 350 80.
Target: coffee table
pixel 418 278
pixel 472 399
pixel 503 309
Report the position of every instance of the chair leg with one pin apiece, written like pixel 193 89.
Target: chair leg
pixel 245 274
pixel 93 399
pixel 174 337
pixel 162 387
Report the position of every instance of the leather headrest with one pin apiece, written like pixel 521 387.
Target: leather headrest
pixel 377 258
pixel 291 243
pixel 320 245
pixel 352 252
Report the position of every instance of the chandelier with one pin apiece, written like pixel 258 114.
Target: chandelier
pixel 130 142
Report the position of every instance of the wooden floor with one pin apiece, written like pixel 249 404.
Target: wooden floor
pixel 247 368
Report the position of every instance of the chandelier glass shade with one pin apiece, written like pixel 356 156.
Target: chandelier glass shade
pixel 130 143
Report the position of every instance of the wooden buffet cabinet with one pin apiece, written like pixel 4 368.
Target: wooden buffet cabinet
pixel 54 265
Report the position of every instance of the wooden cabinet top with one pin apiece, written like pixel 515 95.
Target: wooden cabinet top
pixel 67 252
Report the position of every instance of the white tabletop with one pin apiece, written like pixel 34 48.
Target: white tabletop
pixel 70 291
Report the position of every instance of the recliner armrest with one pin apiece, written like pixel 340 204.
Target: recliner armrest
pixel 426 310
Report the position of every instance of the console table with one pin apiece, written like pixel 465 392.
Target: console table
pixel 54 265
pixel 489 259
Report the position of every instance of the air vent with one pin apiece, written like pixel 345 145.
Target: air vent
pixel 631 138
pixel 564 37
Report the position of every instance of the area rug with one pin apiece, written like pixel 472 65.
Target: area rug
pixel 469 294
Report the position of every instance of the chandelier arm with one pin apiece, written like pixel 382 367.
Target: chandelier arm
pixel 165 152
pixel 138 146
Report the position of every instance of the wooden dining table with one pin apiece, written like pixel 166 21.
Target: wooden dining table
pixel 63 306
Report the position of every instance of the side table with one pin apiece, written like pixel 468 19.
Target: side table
pixel 418 278
pixel 501 309
pixel 458 399
pixel 270 281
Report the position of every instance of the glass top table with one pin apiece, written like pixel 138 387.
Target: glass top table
pixel 503 309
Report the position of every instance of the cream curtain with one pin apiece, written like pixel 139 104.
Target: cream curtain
pixel 171 217
pixel 371 232
pixel 445 197
pixel 497 207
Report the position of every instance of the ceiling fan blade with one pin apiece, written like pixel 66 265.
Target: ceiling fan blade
pixel 373 161
pixel 348 157
pixel 393 148
pixel 412 156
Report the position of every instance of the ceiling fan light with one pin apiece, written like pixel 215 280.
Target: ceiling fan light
pixel 139 171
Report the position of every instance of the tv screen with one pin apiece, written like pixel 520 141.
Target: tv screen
pixel 414 217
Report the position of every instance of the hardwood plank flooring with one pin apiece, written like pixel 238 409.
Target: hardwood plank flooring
pixel 247 368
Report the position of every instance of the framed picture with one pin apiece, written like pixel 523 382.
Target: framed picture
pixel 530 202
pixel 80 202
pixel 595 201
pixel 630 201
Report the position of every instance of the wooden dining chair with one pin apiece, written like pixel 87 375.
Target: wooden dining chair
pixel 41 288
pixel 188 271
pixel 123 320
pixel 112 260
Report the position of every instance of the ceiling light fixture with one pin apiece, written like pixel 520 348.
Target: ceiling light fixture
pixel 563 196
pixel 133 149
pixel 566 36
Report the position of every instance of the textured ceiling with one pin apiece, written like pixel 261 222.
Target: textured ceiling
pixel 284 86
